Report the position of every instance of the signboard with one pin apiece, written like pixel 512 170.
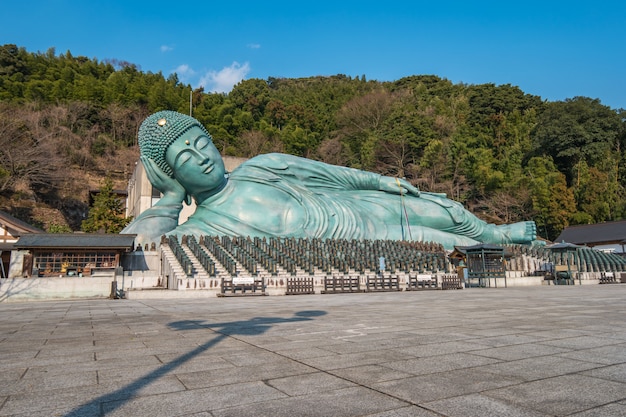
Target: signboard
pixel 243 280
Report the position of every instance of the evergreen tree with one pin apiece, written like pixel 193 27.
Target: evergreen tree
pixel 106 215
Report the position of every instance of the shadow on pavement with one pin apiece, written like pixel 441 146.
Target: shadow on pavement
pixel 254 326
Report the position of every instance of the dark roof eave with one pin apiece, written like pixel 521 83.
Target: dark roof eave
pixel 77 241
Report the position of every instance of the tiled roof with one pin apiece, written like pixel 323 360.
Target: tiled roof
pixel 7 246
pixel 16 226
pixel 599 233
pixel 76 241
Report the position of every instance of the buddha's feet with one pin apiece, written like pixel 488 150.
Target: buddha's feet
pixel 521 232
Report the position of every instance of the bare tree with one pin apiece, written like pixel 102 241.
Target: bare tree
pixel 360 125
pixel 394 155
pixel 124 123
pixel 27 151
pixel 332 151
pixel 506 207
pixel 254 142
pixel 365 113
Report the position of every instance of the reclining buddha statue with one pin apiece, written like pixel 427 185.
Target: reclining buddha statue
pixel 278 195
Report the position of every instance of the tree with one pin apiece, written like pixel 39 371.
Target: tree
pixel 254 142
pixel 251 96
pixel 106 215
pixel 59 228
pixel 553 203
pixel 360 123
pixel 432 165
pixel 575 130
pixel 489 103
pixel 597 192
pixel 27 150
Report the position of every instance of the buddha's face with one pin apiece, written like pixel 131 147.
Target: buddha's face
pixel 196 162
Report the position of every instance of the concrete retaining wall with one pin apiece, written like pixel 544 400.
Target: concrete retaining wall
pixel 23 289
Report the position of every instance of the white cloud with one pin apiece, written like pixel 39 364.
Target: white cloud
pixel 185 70
pixel 185 73
pixel 166 48
pixel 224 80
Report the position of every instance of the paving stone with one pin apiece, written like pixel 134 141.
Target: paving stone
pixel 562 395
pixel 442 363
pixel 436 349
pixel 508 340
pixel 10 376
pixel 439 336
pixel 362 343
pixel 353 359
pixel 412 411
pixel 607 355
pixel 368 374
pixel 227 376
pixel 309 383
pixel 124 374
pixel 347 402
pixel 539 368
pixel 581 342
pixel 476 405
pixel 194 401
pixel 609 410
pixel 65 400
pixel 425 388
pixel 68 380
pixel 515 352
pixel 76 360
pixel 300 353
pixel 613 372
pixel 65 410
pixel 50 367
pixel 198 363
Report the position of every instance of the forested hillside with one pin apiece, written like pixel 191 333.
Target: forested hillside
pixel 68 122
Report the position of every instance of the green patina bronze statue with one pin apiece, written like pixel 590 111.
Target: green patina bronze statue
pixel 287 196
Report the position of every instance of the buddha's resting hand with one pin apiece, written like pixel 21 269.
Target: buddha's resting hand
pixel 173 191
pixel 397 186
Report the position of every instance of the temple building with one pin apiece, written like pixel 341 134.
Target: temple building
pixel 11 229
pixel 607 237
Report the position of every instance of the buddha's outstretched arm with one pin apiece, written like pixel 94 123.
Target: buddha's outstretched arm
pixel 162 218
pixel 315 174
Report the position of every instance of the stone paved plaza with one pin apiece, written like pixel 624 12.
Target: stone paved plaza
pixel 534 351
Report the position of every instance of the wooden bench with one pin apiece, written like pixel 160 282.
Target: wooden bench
pixel 242 286
pixel 421 282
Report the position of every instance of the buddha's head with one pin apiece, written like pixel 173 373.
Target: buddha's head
pixel 183 149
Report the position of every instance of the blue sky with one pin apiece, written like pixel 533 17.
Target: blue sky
pixel 553 49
